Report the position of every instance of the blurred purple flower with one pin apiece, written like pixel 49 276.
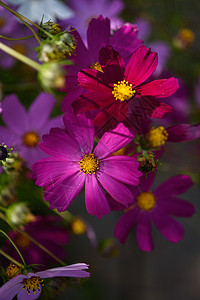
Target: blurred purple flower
pixel 45 230
pixel 85 10
pixel 28 127
pixel 28 287
pixel 156 206
pixel 73 164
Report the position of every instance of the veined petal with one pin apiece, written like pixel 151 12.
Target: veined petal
pixel 14 115
pixel 175 185
pixel 183 133
pixel 75 270
pixel 40 110
pixel 159 88
pixel 144 233
pixel 95 199
pixel 122 168
pixel 172 230
pixel 11 288
pixel 125 224
pixel 81 128
pixel 118 190
pixel 113 141
pixel 141 65
pixel 94 80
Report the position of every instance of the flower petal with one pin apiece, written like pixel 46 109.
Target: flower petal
pixel 141 65
pixel 125 224
pixel 183 133
pixel 175 185
pixel 14 115
pixel 23 295
pixel 75 270
pixel 81 129
pixel 176 207
pixel 113 141
pixel 159 88
pixel 172 230
pixel 40 110
pixel 94 80
pixel 118 190
pixel 11 288
pixel 144 233
pixel 95 199
pixel 122 168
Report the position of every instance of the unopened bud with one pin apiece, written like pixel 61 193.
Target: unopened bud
pixel 51 27
pixel 52 76
pixel 147 164
pixel 18 214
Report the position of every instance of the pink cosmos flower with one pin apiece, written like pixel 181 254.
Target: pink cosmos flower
pixel 156 206
pixel 27 127
pixel 73 164
pixel 124 40
pixel 45 230
pixel 121 93
pixel 28 287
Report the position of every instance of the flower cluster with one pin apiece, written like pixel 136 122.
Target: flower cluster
pixel 101 129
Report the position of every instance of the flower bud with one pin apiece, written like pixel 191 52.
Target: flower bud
pixel 51 27
pixel 18 214
pixel 51 76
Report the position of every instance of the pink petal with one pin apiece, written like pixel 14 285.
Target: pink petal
pixel 95 199
pixel 81 129
pixel 183 133
pixel 176 207
pixel 159 88
pixel 113 141
pixel 175 185
pixel 141 65
pixel 125 224
pixel 66 104
pixel 15 115
pixel 93 80
pixel 144 233
pixel 75 270
pixel 40 110
pixel 122 168
pixel 172 230
pixel 118 190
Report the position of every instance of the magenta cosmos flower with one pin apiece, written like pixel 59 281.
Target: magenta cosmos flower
pixel 47 231
pixel 156 206
pixel 73 164
pixel 28 287
pixel 124 40
pixel 122 93
pixel 28 126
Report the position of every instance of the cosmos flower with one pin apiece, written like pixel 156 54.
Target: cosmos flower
pixel 45 230
pixel 35 10
pixel 85 10
pixel 28 287
pixel 124 40
pixel 122 93
pixel 73 164
pixel 27 127
pixel 156 206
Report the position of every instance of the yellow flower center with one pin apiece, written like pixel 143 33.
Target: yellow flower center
pixel 89 164
pixel 123 91
pixel 22 241
pixel 78 226
pixel 187 35
pixel 12 271
pixel 31 139
pixel 96 66
pixel 32 284
pixel 146 201
pixel 157 136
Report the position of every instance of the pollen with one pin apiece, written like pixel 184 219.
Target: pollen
pixel 12 271
pixel 146 201
pixel 32 284
pixel 31 139
pixel 96 66
pixel 22 241
pixel 89 164
pixel 78 226
pixel 157 137
pixel 123 90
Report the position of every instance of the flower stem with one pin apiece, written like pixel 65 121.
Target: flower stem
pixel 14 246
pixel 11 259
pixel 3 208
pixel 20 57
pixel 16 39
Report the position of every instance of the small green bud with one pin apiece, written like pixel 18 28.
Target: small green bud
pixel 18 214
pixel 51 27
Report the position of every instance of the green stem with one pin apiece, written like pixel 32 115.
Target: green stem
pixel 20 57
pixel 11 259
pixel 16 39
pixel 14 246
pixel 20 17
pixel 3 208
